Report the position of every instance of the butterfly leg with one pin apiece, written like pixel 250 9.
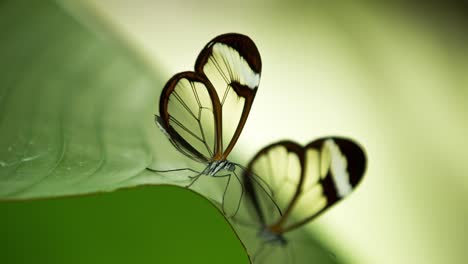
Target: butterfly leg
pixel 230 210
pixel 290 253
pixel 194 179
pixel 267 253
pixel 162 172
pixel 182 169
pixel 258 253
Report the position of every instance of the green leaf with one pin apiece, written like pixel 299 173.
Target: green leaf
pixel 127 226
pixel 76 108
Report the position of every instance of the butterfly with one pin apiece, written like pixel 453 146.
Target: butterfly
pixel 203 112
pixel 288 185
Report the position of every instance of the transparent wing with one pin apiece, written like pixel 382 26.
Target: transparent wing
pixel 305 181
pixel 333 168
pixel 232 64
pixel 271 180
pixel 189 114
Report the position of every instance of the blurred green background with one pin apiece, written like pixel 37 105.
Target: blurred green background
pixel 80 81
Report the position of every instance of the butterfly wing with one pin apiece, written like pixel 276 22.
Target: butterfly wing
pixel 303 181
pixel 189 111
pixel 333 168
pixel 232 64
pixel 271 179
pixel 203 112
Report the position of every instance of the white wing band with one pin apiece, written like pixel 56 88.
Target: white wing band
pixel 246 76
pixel 338 166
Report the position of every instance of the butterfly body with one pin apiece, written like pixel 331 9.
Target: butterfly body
pixel 218 165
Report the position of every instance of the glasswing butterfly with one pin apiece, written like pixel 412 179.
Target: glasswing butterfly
pixel 203 112
pixel 288 185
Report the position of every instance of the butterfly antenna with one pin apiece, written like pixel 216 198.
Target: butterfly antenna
pixel 264 185
pixel 240 166
pixel 269 193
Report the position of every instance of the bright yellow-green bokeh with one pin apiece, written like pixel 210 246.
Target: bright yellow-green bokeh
pixel 393 78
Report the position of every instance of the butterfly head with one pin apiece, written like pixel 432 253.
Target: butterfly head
pixel 230 166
